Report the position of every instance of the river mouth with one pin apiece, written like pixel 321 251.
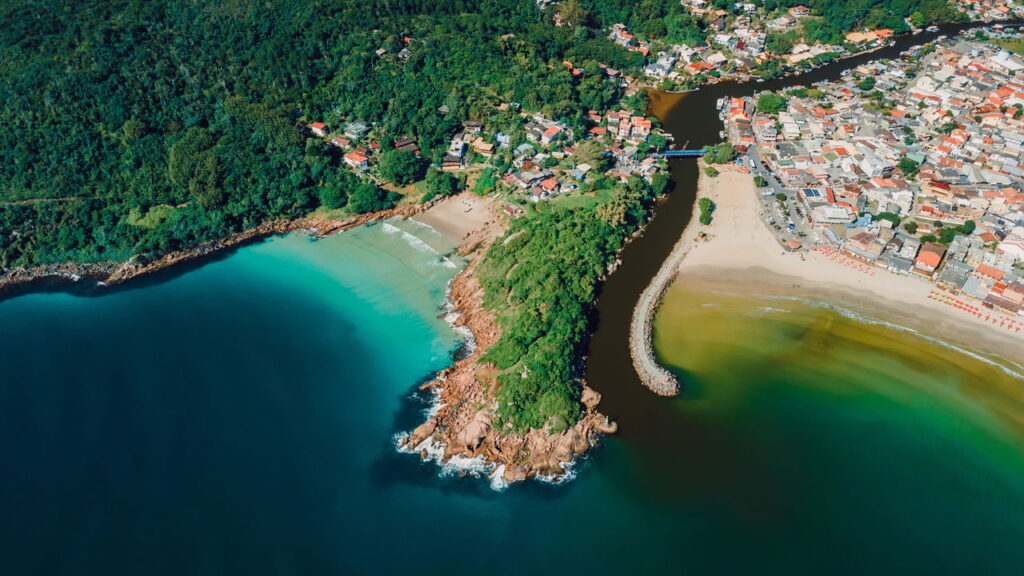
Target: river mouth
pixel 692 119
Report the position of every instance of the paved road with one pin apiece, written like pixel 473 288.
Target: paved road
pixel 770 210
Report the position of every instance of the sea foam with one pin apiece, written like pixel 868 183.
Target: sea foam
pixel 433 451
pixel 418 244
pixel 1016 372
pixel 1004 364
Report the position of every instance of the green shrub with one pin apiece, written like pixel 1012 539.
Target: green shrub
pixel 769 103
pixel 707 209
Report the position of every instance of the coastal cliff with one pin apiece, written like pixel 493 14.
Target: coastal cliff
pixel 463 423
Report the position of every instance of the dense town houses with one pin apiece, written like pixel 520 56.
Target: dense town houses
pixel 744 39
pixel 915 166
pixel 991 10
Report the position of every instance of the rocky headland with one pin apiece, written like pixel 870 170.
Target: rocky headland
pixel 462 425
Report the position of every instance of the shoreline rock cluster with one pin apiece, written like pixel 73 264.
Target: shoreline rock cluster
pixel 463 422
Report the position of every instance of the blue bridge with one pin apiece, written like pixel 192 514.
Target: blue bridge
pixel 681 154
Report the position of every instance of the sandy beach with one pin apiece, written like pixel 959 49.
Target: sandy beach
pixel 740 254
pixel 465 218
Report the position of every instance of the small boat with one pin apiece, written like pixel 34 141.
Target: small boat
pixel 932 29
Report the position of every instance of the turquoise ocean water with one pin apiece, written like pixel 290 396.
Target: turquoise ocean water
pixel 237 417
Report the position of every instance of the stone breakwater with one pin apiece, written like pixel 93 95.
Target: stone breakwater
pixel 113 273
pixel 641 328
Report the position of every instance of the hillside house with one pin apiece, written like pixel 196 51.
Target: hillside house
pixel 319 128
pixel 356 161
pixel 357 129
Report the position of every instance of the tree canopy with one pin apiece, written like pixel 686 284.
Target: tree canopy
pixel 194 110
pixel 837 17
pixel 401 166
pixel 769 103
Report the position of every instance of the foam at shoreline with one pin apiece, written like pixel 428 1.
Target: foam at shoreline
pixel 1006 365
pixel 418 244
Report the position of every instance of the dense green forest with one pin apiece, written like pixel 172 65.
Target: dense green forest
pixel 665 20
pixel 134 127
pixel 543 282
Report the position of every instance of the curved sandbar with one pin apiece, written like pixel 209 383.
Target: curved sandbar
pixel 641 328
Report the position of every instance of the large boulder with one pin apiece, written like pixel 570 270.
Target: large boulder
pixel 516 473
pixel 421 433
pixel 474 433
pixel 590 398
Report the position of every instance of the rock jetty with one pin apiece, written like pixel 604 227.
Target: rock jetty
pixel 641 329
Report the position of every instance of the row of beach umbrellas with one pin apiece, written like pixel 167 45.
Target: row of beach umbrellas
pixel 981 313
pixel 839 258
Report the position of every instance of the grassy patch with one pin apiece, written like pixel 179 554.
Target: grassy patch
pixel 153 217
pixel 1015 45
pixel 331 213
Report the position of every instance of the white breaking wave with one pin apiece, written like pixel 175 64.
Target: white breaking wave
pixel 1016 372
pixel 435 404
pixel 497 479
pixel 770 309
pixel 425 227
pixel 457 465
pixel 451 316
pixel 569 473
pixel 418 244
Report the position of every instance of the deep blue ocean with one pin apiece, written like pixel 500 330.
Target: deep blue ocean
pixel 238 417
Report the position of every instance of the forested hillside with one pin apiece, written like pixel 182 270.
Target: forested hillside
pixel 841 16
pixel 670 21
pixel 138 127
